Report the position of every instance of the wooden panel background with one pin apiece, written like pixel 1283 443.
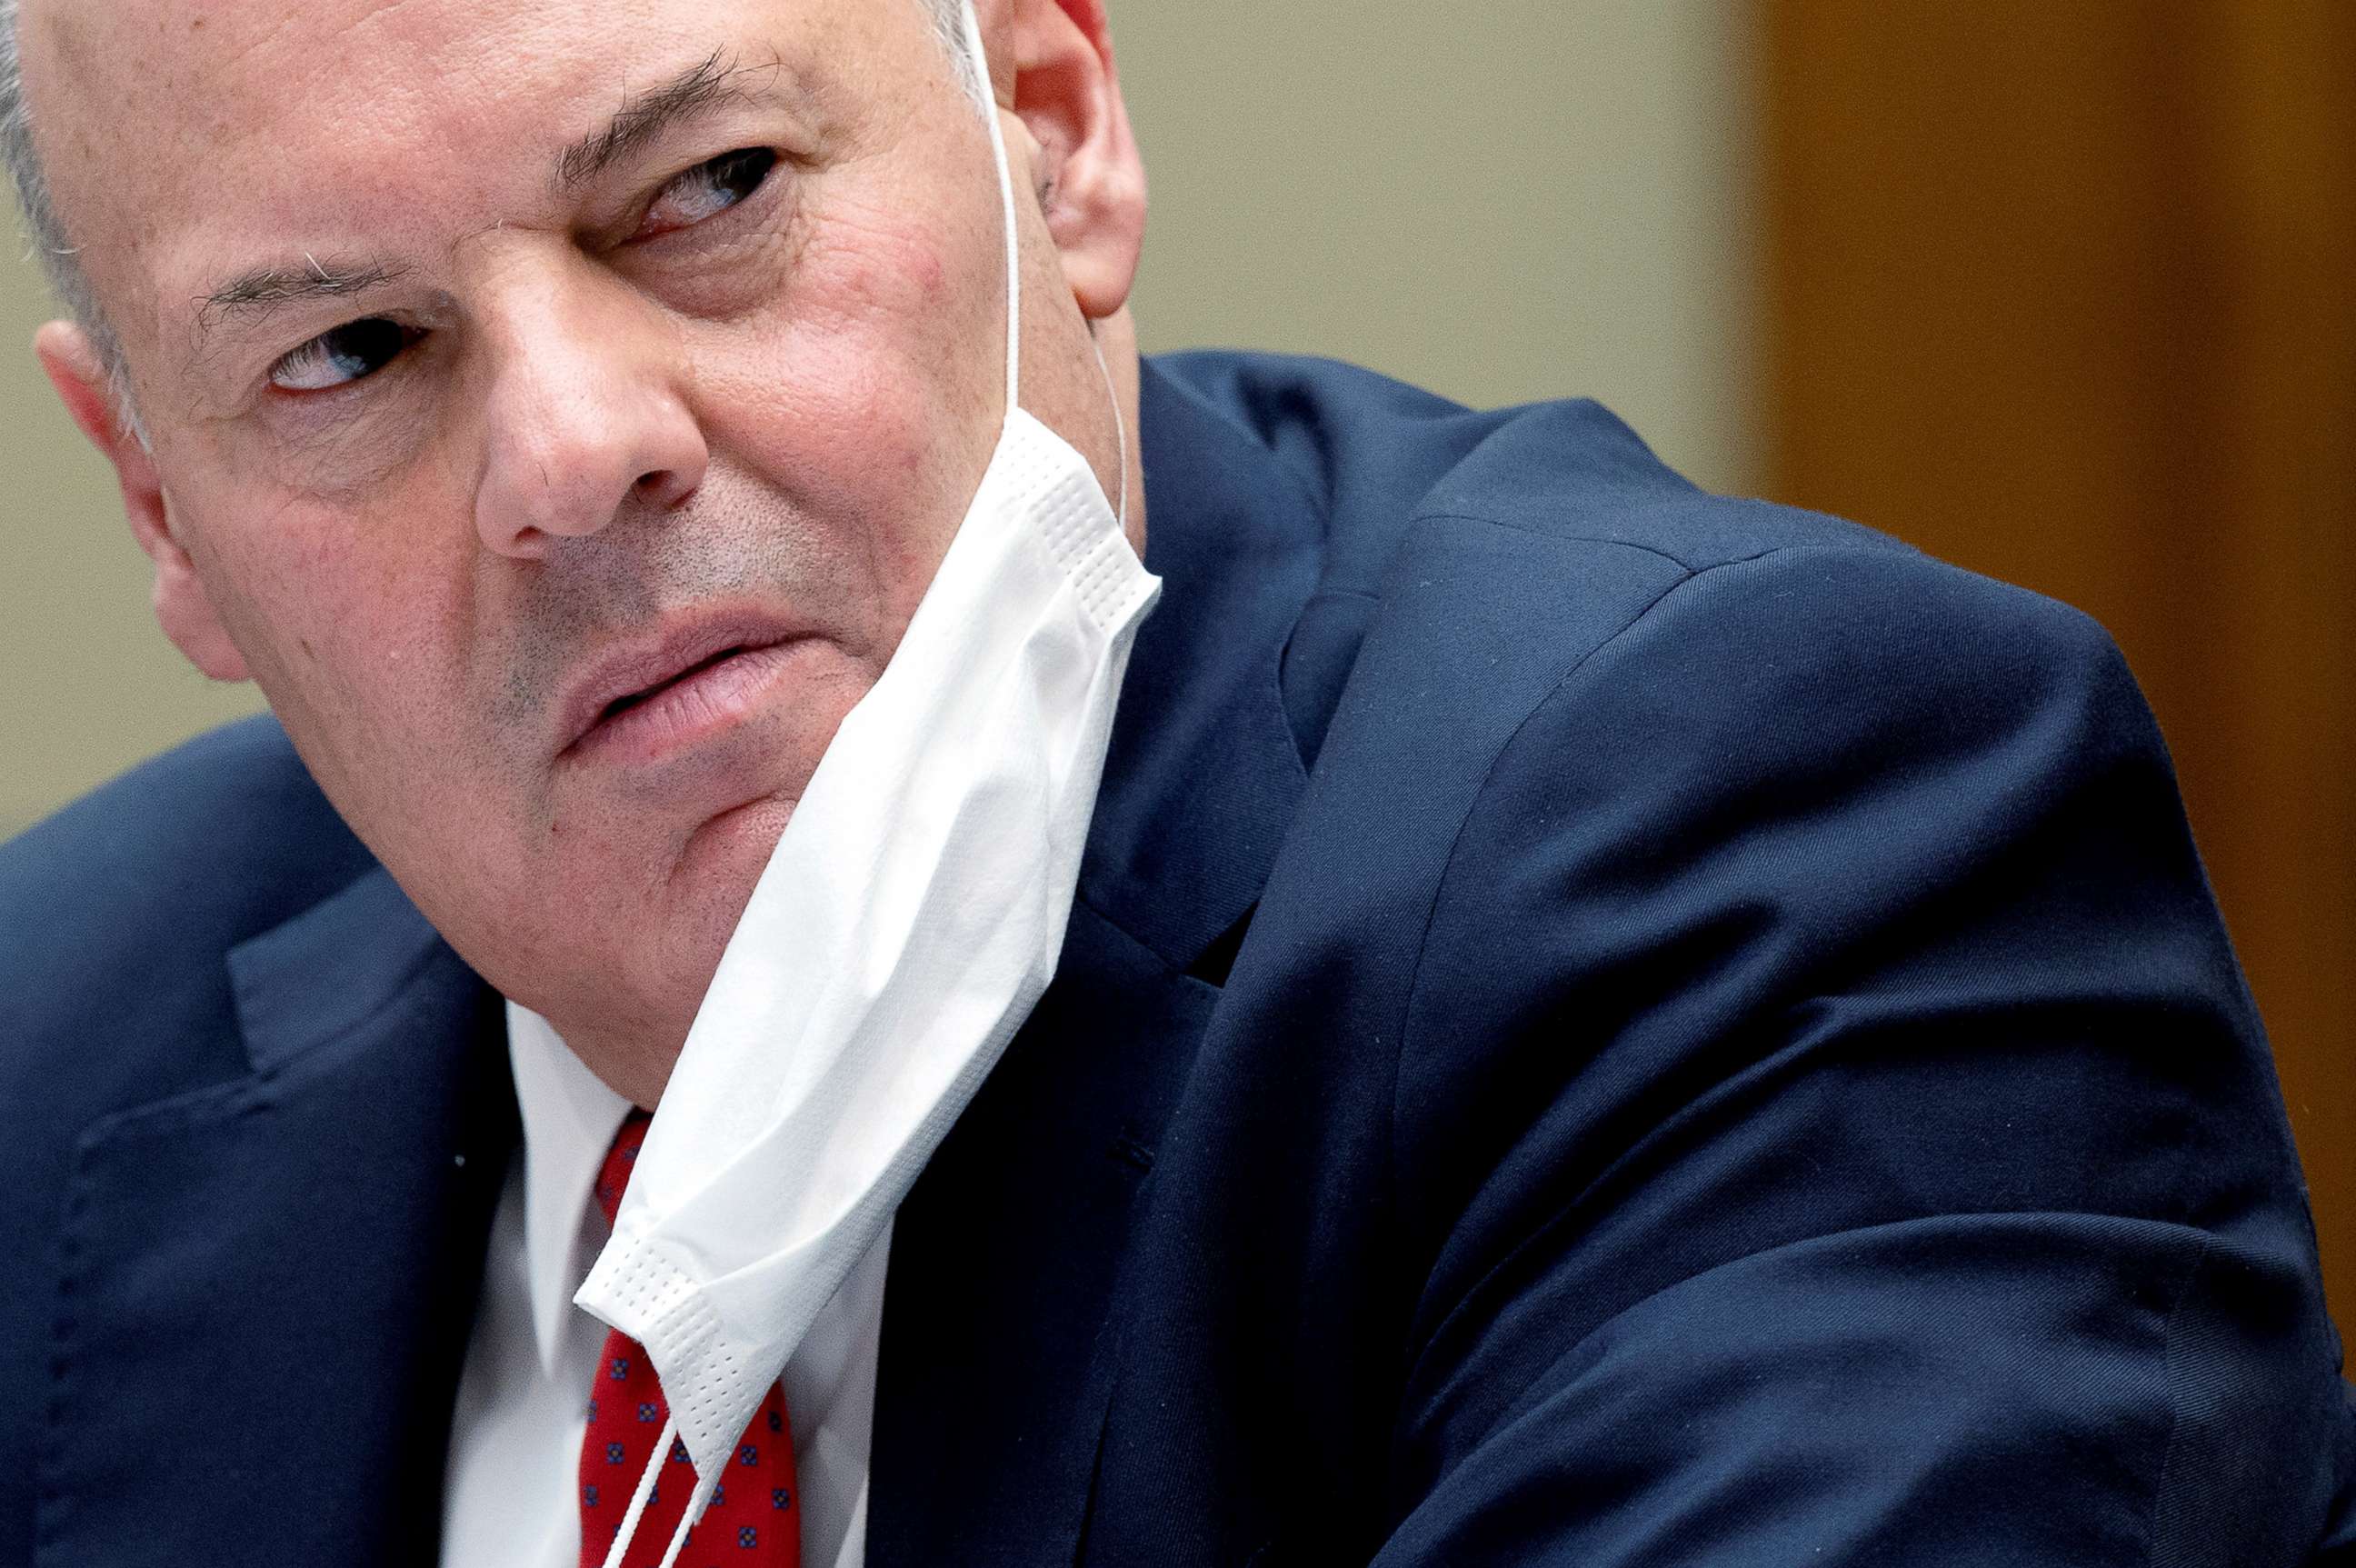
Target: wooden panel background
pixel 2065 291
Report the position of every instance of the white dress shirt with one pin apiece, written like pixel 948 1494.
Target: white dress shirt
pixel 510 1496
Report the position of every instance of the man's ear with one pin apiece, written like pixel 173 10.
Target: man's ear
pixel 1092 181
pixel 183 608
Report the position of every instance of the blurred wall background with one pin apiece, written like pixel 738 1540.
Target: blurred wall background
pixel 2061 292
pixel 1535 199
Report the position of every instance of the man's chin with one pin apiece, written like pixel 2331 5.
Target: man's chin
pixel 724 858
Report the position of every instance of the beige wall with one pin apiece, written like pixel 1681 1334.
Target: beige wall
pixel 1549 198
pixel 1552 196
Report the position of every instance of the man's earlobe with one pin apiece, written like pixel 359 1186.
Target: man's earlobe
pixel 1092 178
pixel 183 606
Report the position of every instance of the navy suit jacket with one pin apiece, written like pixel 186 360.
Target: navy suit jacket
pixel 1602 1024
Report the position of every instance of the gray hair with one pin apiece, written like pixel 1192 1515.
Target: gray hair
pixel 44 230
pixel 60 258
pixel 948 26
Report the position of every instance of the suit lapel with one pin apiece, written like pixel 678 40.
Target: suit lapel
pixel 1000 1331
pixel 270 1281
pixel 1203 775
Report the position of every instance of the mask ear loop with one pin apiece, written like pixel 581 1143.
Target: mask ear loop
pixel 1119 421
pixel 704 1487
pixel 622 1537
pixel 980 62
pixel 644 1494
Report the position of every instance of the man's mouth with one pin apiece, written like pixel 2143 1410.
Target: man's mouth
pixel 624 703
pixel 658 695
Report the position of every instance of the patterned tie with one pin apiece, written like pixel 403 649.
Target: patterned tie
pixel 756 1517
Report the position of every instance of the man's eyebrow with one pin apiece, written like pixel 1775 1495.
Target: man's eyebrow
pixel 266 288
pixel 645 115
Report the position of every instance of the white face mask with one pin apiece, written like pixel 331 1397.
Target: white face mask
pixel 906 925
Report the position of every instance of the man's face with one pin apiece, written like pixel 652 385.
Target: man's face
pixel 561 477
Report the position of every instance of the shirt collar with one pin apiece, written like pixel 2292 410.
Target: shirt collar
pixel 570 1117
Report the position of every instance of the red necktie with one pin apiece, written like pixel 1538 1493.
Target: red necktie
pixel 756 1517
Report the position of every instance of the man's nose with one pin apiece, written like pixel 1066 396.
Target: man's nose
pixel 586 419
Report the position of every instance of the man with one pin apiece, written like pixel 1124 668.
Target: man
pixel 1599 1024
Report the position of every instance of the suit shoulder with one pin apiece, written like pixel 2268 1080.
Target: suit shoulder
pixel 1828 602
pixel 1574 472
pixel 119 911
pixel 1853 652
pixel 1730 595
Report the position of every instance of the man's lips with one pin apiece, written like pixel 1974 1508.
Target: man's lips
pixel 655 693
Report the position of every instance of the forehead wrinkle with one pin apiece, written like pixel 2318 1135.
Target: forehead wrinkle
pixel 709 84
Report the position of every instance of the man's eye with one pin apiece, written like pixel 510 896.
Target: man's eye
pixel 355 349
pixel 710 187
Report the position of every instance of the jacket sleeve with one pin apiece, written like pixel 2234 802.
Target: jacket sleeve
pixel 1834 1120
